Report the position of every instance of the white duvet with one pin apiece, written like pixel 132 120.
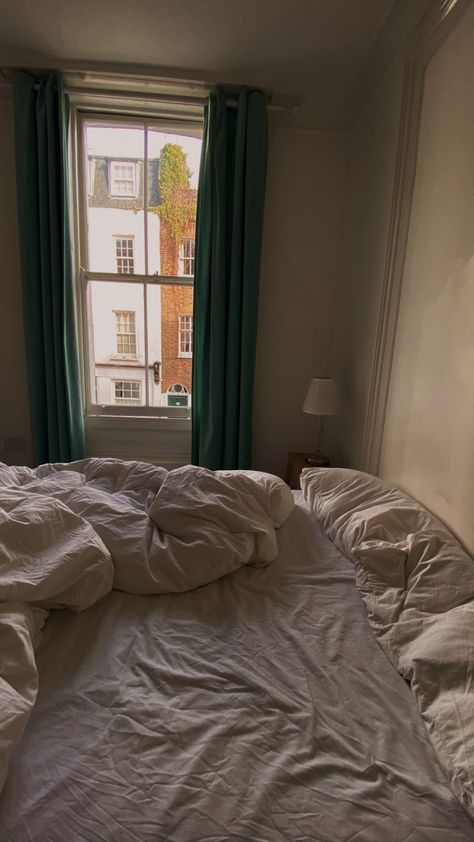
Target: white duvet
pixel 70 533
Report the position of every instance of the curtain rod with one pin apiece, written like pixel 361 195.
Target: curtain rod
pixel 176 99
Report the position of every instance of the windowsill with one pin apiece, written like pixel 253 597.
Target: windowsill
pixel 115 415
pixel 132 358
pixel 161 440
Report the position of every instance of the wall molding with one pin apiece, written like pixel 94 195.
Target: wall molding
pixel 432 31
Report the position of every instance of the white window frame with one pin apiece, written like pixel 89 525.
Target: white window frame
pixel 127 258
pixel 130 336
pixel 124 400
pixel 179 390
pixel 186 261
pixel 131 419
pixel 185 336
pixel 113 179
pixel 90 176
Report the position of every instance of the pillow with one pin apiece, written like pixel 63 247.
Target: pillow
pixel 393 540
pixel 281 500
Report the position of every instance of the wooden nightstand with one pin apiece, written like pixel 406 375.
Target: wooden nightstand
pixel 294 467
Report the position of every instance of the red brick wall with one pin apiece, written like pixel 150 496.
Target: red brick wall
pixel 175 301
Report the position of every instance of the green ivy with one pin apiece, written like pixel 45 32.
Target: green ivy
pixel 177 202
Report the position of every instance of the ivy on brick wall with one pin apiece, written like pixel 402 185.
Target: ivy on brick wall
pixel 177 201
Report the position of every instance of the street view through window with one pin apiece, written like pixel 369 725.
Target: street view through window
pixel 140 192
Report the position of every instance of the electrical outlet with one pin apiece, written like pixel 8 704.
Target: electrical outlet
pixel 14 445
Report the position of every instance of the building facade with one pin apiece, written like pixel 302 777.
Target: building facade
pixel 140 333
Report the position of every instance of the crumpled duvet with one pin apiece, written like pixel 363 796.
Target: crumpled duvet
pixel 69 533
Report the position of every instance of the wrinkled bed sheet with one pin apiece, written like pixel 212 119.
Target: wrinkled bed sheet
pixel 258 708
pixel 69 533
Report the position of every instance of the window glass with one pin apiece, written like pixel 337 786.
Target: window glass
pixel 124 252
pixel 185 336
pixel 127 392
pixel 186 257
pixel 122 178
pixel 139 217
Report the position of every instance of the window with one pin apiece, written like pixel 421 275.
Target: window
pixel 123 178
pixel 124 255
pixel 185 336
pixel 126 332
pixel 137 258
pixel 90 176
pixel 186 257
pixel 127 392
pixel 178 395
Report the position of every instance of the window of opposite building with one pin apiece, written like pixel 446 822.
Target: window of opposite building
pixel 126 332
pixel 186 257
pixel 123 178
pixel 124 255
pixel 185 336
pixel 178 395
pixel 127 392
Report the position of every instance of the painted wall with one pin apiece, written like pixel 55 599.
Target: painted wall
pixel 14 414
pixel 372 150
pixel 300 268
pixel 428 443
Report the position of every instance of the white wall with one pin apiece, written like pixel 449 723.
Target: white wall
pixel 372 150
pixel 428 443
pixel 300 265
pixel 14 415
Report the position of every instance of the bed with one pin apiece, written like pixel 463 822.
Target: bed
pixel 258 706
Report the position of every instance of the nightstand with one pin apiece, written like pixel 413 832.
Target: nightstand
pixel 296 463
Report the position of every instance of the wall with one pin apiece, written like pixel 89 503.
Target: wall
pixel 300 266
pixel 428 443
pixel 372 151
pixel 14 414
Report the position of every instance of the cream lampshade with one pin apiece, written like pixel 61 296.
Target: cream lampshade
pixel 321 399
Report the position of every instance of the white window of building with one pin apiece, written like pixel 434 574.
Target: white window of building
pixel 178 395
pixel 127 392
pixel 185 336
pixel 186 257
pixel 123 178
pixel 124 255
pixel 126 332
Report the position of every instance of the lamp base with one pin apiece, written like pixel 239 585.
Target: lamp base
pixel 317 460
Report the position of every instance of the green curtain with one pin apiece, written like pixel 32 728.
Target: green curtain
pixel 228 244
pixel 41 129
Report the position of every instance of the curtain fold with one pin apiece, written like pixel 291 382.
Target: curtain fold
pixel 41 127
pixel 227 267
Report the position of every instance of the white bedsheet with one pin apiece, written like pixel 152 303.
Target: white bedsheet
pixel 258 707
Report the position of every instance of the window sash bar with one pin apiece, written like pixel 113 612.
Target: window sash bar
pixel 172 280
pixel 145 235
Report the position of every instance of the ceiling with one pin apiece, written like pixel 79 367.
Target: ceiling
pixel 310 50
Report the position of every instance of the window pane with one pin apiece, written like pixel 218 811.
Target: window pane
pixel 115 200
pixel 173 171
pixel 116 343
pixel 170 309
pixel 125 255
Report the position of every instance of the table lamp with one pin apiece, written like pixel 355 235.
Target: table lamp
pixel 321 399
